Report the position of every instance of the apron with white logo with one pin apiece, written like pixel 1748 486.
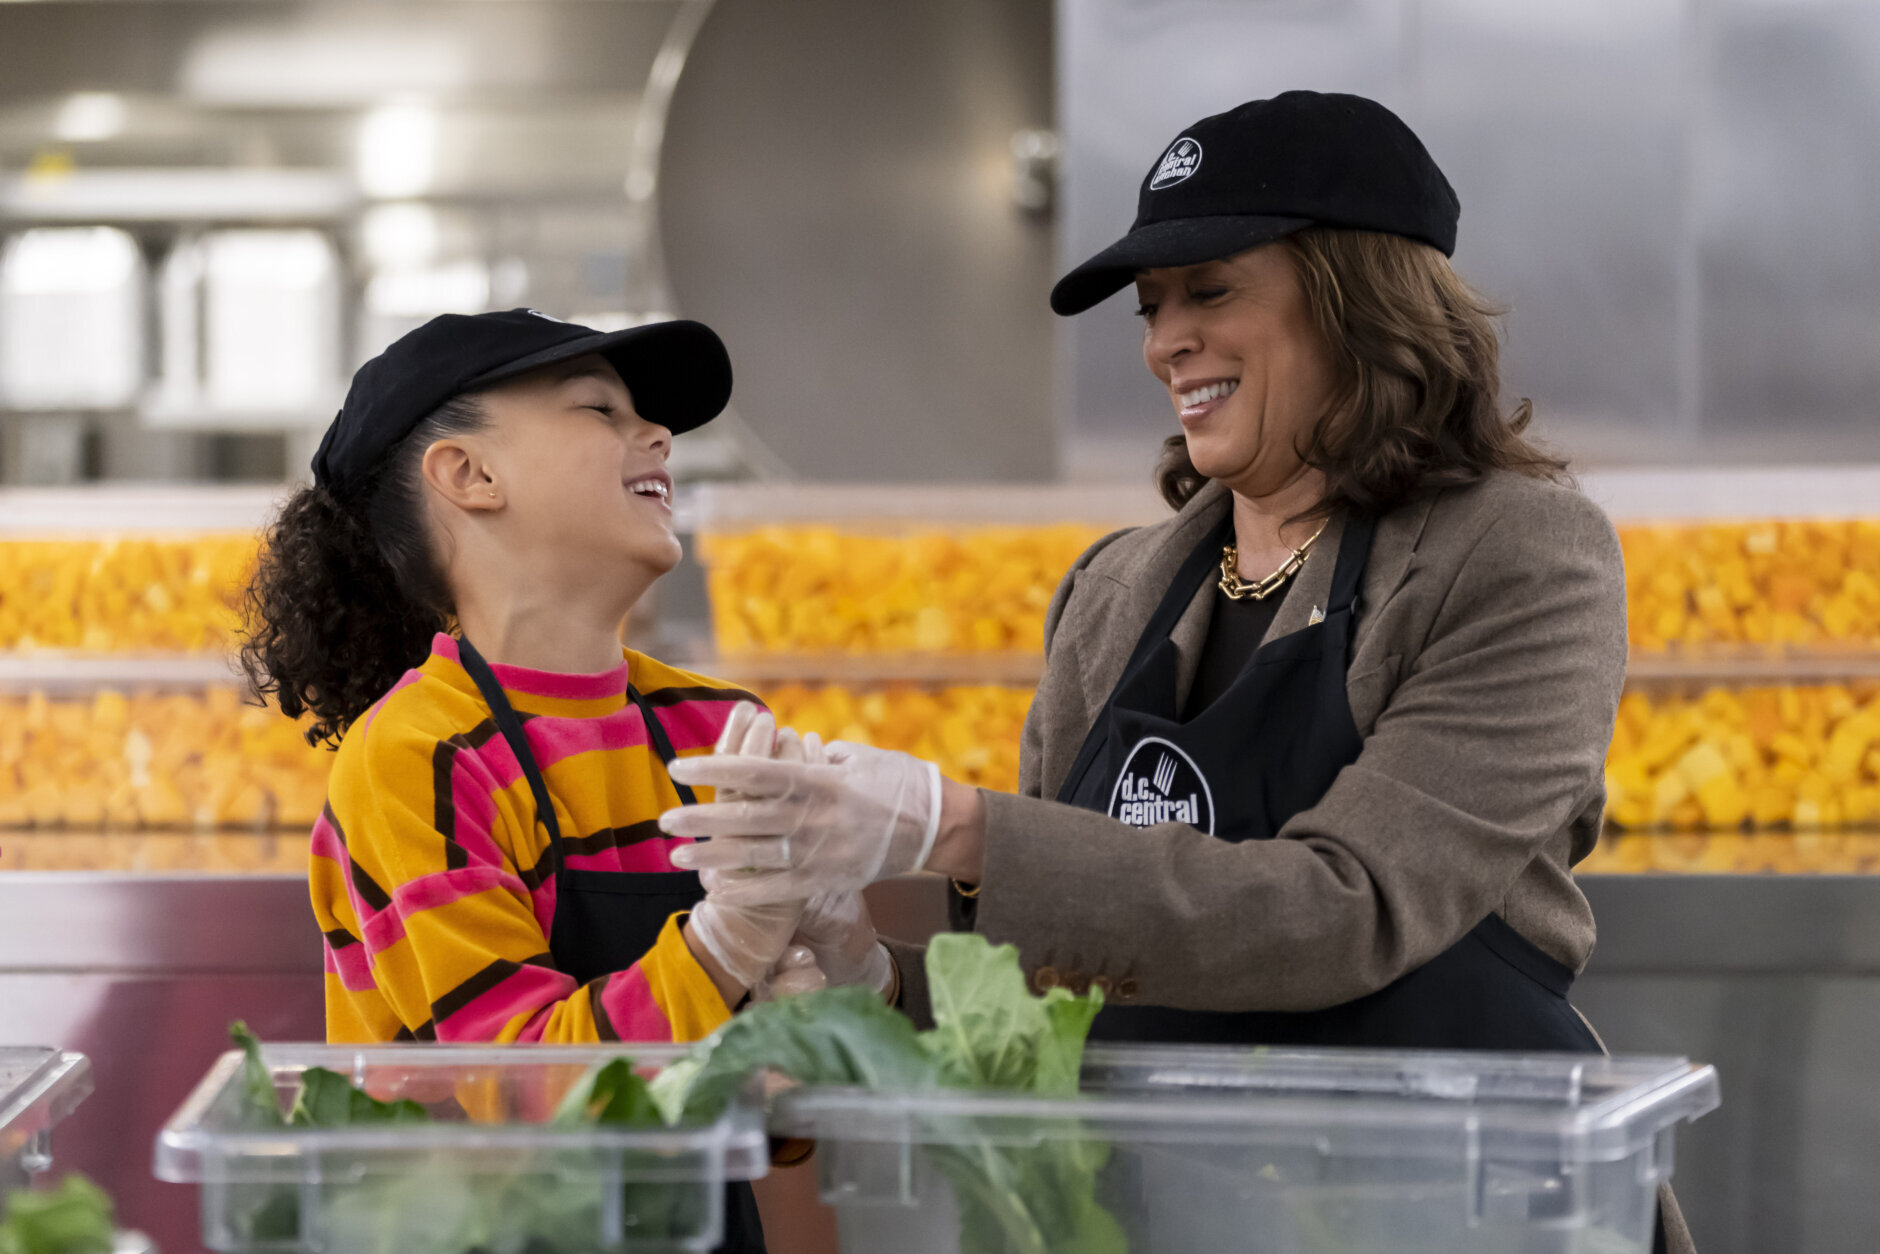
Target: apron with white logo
pixel 1265 750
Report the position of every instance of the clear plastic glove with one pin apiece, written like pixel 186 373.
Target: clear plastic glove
pixel 796 972
pixel 866 815
pixel 838 931
pixel 746 938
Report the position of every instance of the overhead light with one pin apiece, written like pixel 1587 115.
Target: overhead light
pixel 398 150
pixel 400 235
pixel 89 115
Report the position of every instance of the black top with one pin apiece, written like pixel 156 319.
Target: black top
pixel 1234 633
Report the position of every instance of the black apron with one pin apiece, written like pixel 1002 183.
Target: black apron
pixel 1268 748
pixel 608 920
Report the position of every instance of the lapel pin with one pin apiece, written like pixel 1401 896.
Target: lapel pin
pixel 1318 616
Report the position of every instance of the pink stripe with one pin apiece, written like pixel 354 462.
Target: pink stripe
pixel 428 892
pixel 543 900
pixel 327 844
pixel 646 855
pixel 352 967
pixel 632 1009
pixel 552 684
pixel 526 991
pixel 555 739
pixel 695 724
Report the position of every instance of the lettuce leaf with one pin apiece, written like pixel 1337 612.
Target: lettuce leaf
pixel 75 1217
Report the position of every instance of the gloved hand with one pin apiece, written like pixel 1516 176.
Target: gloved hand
pixel 795 972
pixel 866 815
pixel 748 938
pixel 837 929
pixel 835 936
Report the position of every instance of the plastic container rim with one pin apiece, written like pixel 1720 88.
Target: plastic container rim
pixel 189 1153
pixel 1611 1128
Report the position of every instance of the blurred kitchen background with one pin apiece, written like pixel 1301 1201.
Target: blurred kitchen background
pixel 211 211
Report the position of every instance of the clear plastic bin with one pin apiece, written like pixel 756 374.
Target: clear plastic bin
pixel 39 1087
pixel 1281 1152
pixel 489 1173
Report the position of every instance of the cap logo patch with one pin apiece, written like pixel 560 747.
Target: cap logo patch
pixel 1181 160
pixel 546 317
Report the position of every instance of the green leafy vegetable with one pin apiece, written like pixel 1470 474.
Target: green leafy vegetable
pixel 836 1036
pixel 261 1105
pixel 73 1218
pixel 328 1099
pixel 990 1033
pixel 612 1094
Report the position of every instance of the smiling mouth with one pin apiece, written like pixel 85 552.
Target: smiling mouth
pixel 656 488
pixel 1209 392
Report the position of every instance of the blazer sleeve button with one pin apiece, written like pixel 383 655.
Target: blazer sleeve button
pixel 1046 978
pixel 1126 988
pixel 1103 985
pixel 1078 983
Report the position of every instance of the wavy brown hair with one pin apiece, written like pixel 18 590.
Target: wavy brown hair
pixel 1417 404
pixel 349 590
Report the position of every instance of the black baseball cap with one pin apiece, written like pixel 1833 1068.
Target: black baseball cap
pixel 678 372
pixel 1264 170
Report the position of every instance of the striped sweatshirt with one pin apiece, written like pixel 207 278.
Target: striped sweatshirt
pixel 435 887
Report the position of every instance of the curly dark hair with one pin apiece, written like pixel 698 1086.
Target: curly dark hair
pixel 348 592
pixel 1418 404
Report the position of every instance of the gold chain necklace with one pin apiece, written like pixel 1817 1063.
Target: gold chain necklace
pixel 1236 590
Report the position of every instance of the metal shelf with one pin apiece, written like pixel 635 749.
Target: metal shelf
pixel 77 672
pixel 81 671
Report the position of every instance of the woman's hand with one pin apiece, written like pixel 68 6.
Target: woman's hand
pixel 741 943
pixel 866 815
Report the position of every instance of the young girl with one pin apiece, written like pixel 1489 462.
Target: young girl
pixel 489 866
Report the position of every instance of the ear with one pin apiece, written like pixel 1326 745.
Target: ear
pixel 456 470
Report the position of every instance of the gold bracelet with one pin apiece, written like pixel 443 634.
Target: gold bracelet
pixel 970 895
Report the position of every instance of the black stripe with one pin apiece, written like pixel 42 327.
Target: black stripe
pixel 426 1031
pixel 544 869
pixel 676 696
pixel 332 820
pixel 612 838
pixel 340 938
pixel 367 888
pixel 602 1024
pixel 444 799
pixel 471 989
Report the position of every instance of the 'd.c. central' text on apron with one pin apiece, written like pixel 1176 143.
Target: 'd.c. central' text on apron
pixel 1266 749
pixel 607 920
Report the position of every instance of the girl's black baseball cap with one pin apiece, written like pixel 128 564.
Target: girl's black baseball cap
pixel 1264 170
pixel 678 372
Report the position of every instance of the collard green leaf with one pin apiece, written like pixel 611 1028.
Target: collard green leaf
pixel 833 1036
pixel 328 1099
pixel 613 1094
pixel 73 1218
pixel 261 1105
pixel 991 1032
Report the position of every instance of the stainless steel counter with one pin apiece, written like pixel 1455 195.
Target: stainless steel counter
pixel 142 973
pixel 1775 980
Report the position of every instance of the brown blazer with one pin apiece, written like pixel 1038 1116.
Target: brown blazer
pixel 1488 657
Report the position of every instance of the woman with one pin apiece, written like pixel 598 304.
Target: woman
pixel 488 866
pixel 1311 761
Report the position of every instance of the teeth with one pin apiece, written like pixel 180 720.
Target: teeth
pixel 650 487
pixel 1211 392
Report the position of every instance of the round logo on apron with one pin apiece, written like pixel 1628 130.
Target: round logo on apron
pixel 1160 783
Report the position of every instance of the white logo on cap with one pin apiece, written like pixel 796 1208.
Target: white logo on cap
pixel 1181 160
pixel 545 317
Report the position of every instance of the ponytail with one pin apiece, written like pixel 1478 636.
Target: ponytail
pixel 348 591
